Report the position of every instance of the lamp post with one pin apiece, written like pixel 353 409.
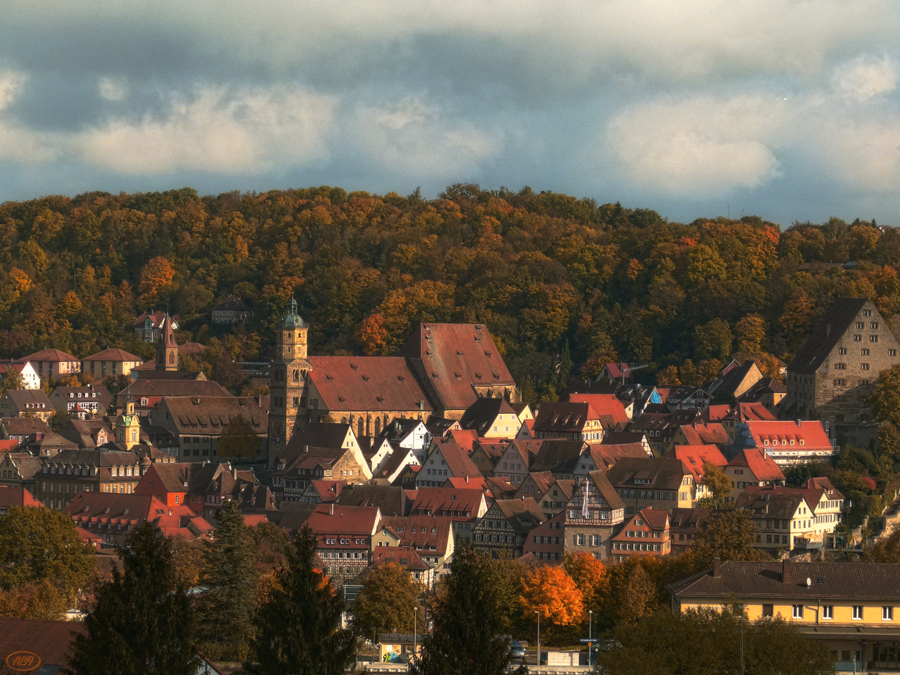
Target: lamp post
pixel 415 629
pixel 590 636
pixel 539 639
pixel 740 608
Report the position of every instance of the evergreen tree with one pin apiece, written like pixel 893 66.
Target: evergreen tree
pixel 464 640
pixel 298 625
pixel 142 623
pixel 225 611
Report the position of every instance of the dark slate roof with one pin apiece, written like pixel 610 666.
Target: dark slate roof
pixel 439 426
pixel 732 379
pixel 764 386
pixel 664 474
pixel 827 334
pixel 391 500
pixel 784 579
pixel 317 435
pixel 523 515
pixel 557 455
pixel 480 414
pixel 399 428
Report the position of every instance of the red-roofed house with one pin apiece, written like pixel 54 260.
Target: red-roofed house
pixel 53 363
pixel 30 379
pixel 694 457
pixel 516 460
pixel 344 538
pixel 13 496
pixel 430 536
pixel 463 507
pixel 789 442
pixel 698 433
pixel 616 372
pixel 645 533
pixel 111 361
pixel 608 407
pixel 752 466
pixel 322 492
pixel 408 559
pixel 447 460
pixel 744 412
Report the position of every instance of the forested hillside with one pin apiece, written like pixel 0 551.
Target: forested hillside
pixel 549 274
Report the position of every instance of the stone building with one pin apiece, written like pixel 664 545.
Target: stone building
pixel 834 373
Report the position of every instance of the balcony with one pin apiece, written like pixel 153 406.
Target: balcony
pixel 807 544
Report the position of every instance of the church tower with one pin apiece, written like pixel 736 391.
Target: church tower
pixel 167 348
pixel 128 427
pixel 288 385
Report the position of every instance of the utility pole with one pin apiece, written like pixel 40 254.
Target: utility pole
pixel 539 639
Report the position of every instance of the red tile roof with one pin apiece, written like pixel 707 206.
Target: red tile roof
pixel 421 532
pixel 458 461
pixel 457 358
pixel 605 405
pixel 751 411
pixel 341 519
pixel 759 463
pixel 12 496
pixel 653 519
pixel 113 354
pixel 810 434
pixel 51 354
pixel 704 434
pixel 367 383
pixel 606 455
pixel 465 438
pixel 404 556
pixel 694 457
pixel 50 641
pixel 462 504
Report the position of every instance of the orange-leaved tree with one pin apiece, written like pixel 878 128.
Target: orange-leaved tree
pixel 553 593
pixel 590 576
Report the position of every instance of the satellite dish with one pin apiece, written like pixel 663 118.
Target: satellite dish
pixel 808 582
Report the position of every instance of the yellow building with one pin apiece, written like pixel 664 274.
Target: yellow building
pixel 111 361
pixel 853 608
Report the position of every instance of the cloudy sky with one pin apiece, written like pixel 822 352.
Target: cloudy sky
pixel 788 109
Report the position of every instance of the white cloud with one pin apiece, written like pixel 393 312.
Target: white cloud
pixel 698 146
pixel 17 142
pixel 112 89
pixel 866 77
pixel 249 132
pixel 414 138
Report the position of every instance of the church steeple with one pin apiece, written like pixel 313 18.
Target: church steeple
pixel 128 426
pixel 288 386
pixel 166 347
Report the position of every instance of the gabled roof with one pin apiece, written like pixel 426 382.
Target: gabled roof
pixel 756 412
pixel 399 428
pixel 731 381
pixel 660 474
pixel 605 487
pixel 522 514
pixel 811 494
pixel 767 385
pixel 605 405
pixel 392 501
pixel 653 519
pixel 29 397
pixel 341 519
pixel 50 354
pixel 705 434
pixel 828 333
pixel 483 412
pixel 438 427
pixel 156 387
pixel 397 459
pixel 695 456
pixel 457 459
pixel 456 358
pixel 318 435
pixel 25 464
pixel 327 491
pixel 15 496
pixel 563 416
pixel 526 448
pixel 354 383
pixel 404 556
pixel 810 432
pixel 449 502
pixel 113 354
pixel 786 579
pixel 759 463
pixel 559 456
pixel 771 502
pixel 606 455
pixel 425 533
pixel 97 458
pixel 688 519
pixel 213 414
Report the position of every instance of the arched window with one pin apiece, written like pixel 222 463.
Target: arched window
pixel 343 420
pixel 360 430
pixel 377 425
pixel 171 357
pixel 296 376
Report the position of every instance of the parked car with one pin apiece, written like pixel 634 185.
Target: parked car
pixel 516 650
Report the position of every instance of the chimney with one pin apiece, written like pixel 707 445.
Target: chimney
pixel 421 405
pixel 717 568
pixel 467 478
pixel 331 509
pixel 799 423
pixel 785 571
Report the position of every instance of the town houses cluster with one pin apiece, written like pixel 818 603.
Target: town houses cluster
pixel 406 458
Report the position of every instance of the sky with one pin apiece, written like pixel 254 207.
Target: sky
pixel 785 109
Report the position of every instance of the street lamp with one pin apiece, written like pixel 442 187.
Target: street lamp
pixel 590 636
pixel 415 629
pixel 539 639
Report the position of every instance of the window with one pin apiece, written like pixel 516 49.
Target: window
pixel 840 383
pixel 828 611
pixel 857 613
pixel 768 610
pixel 864 366
pixel 873 338
pixel 797 612
pixel 874 325
pixel 887 613
pixel 840 366
pixel 857 338
pixel 864 352
pixel 860 324
pixel 892 352
pixel 842 351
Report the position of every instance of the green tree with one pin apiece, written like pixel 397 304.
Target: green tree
pixel 387 602
pixel 225 611
pixel 465 638
pixel 637 597
pixel 717 482
pixel 12 379
pixel 713 340
pixel 37 545
pixel 239 440
pixel 298 625
pixel 727 535
pixel 885 399
pixel 142 622
pixel 59 420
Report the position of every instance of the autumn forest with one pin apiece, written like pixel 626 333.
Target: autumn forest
pixel 563 284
